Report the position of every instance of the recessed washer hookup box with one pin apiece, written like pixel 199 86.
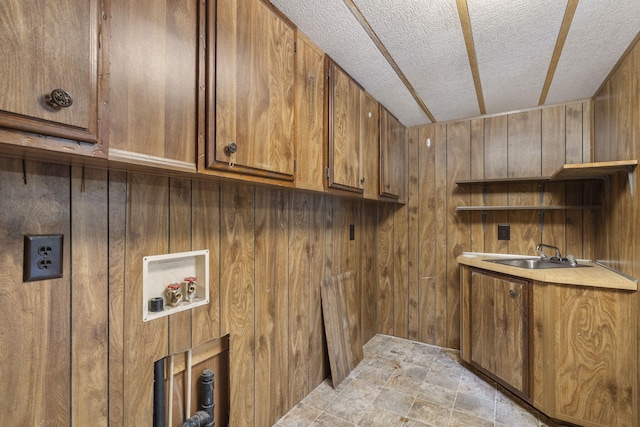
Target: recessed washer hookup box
pixel 172 283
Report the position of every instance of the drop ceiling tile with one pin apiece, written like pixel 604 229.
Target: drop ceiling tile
pixel 335 30
pixel 599 35
pixel 514 42
pixel 426 41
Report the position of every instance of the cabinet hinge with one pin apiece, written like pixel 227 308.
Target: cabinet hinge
pixel 327 173
pixel 328 73
pixel 295 165
pixel 295 47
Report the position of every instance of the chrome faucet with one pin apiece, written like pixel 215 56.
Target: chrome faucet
pixel 542 254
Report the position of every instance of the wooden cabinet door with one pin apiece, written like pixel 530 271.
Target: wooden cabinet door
pixel 46 46
pixel 393 156
pixel 369 139
pixel 155 122
pixel 499 327
pixel 310 123
pixel 344 131
pixel 253 80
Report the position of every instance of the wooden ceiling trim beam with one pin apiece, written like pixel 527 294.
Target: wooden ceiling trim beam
pixel 465 22
pixel 569 12
pixel 365 25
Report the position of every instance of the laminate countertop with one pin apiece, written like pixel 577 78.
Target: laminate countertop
pixel 597 275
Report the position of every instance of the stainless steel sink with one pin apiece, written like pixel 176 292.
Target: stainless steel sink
pixel 534 263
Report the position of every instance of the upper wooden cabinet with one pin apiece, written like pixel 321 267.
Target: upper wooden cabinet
pixel 154 90
pixel 250 90
pixel 344 97
pixel 369 141
pixel 310 124
pixel 393 157
pixel 52 62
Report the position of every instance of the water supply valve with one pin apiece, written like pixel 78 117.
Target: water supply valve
pixel 190 287
pixel 173 294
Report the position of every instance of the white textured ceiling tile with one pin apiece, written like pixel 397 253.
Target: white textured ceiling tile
pixel 426 41
pixel 589 54
pixel 335 30
pixel 514 44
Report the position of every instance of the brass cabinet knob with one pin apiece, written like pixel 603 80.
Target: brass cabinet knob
pixel 59 98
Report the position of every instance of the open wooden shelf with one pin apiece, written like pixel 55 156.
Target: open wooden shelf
pixel 567 172
pixel 593 170
pixel 527 208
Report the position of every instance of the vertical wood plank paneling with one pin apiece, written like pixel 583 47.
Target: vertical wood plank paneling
pixel 369 270
pixel 318 364
pixel 441 249
pixel 118 197
pixel 205 229
pixel 299 290
pixel 35 315
pixel 573 190
pixel 495 166
pixel 271 305
pixel 476 172
pixel 90 296
pixel 413 242
pixel 524 145
pixel 524 154
pixel 553 157
pixel 428 296
pixel 144 342
pixel 552 139
pixel 237 290
pixel 179 241
pixel 401 271
pixel 385 307
pixel 458 223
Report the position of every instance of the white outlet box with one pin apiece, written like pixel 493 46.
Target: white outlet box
pixel 160 271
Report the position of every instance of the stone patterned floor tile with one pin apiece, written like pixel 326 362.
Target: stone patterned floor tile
pixel 402 383
pixel 394 401
pixel 328 420
pixel 321 396
pixel 463 419
pixel 299 416
pixel 436 394
pixel 348 409
pixel 379 417
pixel 361 390
pixel 374 375
pixel 476 405
pixel 430 413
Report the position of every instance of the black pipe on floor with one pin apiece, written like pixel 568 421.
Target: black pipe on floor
pixel 159 405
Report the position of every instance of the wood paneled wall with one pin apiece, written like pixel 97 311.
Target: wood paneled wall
pixel 617 137
pixel 423 288
pixel 72 343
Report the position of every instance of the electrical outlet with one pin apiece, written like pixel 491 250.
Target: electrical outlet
pixel 42 257
pixel 504 232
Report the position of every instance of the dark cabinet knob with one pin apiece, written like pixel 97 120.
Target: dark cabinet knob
pixel 59 98
pixel 512 293
pixel 231 148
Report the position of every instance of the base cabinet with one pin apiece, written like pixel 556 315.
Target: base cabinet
pixel 499 307
pixel 570 351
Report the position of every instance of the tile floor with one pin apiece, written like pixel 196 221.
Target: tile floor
pixel 402 383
